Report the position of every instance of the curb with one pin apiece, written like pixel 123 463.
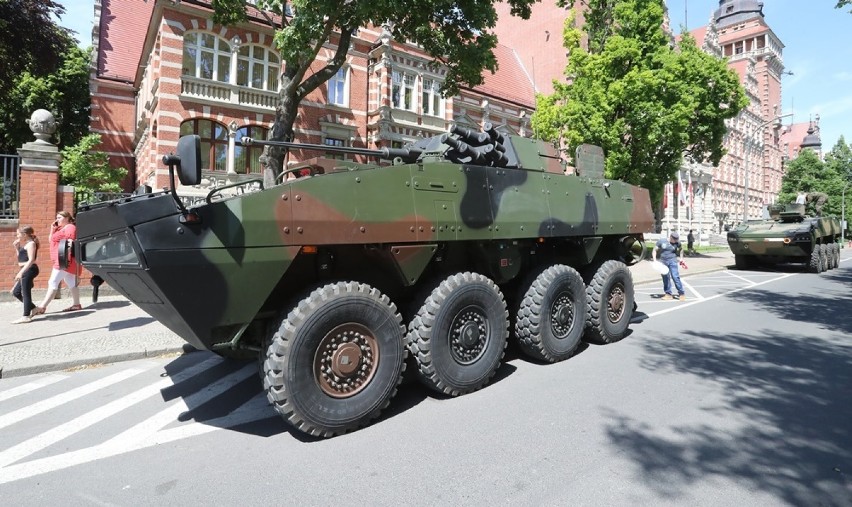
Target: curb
pixel 93 361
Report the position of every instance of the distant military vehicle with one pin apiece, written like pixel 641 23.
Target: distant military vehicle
pixel 333 275
pixel 788 236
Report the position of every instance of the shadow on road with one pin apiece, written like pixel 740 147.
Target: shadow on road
pixel 793 394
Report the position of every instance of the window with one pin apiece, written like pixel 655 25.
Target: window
pixel 738 48
pixel 214 142
pixel 402 91
pixel 206 56
pixel 247 158
pixel 258 67
pixel 433 103
pixel 338 92
pixel 330 141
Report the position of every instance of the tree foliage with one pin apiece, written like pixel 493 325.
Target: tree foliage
pixel 644 101
pixel 455 32
pixel 88 170
pixel 807 173
pixel 64 92
pixel 31 42
pixel 843 3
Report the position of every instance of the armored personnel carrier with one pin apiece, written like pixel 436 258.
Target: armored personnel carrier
pixel 789 236
pixel 339 271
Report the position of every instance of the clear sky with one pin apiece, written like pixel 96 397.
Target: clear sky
pixel 817 42
pixel 818 50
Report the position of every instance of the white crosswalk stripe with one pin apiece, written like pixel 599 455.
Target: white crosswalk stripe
pixel 152 431
pixel 31 386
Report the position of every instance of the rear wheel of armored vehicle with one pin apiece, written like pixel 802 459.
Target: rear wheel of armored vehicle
pixel 336 359
pixel 609 302
pixel 458 335
pixel 835 255
pixel 816 264
pixel 551 315
pixel 824 257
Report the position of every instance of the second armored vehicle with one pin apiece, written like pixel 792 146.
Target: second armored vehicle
pixel 789 236
pixel 335 274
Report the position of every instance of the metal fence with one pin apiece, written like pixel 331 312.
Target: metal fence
pixel 10 170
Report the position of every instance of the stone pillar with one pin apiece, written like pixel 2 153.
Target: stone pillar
pixel 39 193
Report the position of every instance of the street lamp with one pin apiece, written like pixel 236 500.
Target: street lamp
pixel 746 141
pixel 843 215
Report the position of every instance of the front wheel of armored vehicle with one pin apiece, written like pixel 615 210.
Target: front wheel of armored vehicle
pixel 336 359
pixel 552 314
pixel 609 302
pixel 815 264
pixel 458 336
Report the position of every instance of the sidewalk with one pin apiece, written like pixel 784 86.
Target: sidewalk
pixel 114 329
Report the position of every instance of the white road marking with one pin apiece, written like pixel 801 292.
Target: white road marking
pixel 740 277
pixel 50 437
pixel 141 435
pixel 63 398
pixel 691 289
pixel 31 386
pixel 690 303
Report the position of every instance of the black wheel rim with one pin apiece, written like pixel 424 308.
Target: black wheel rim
pixel 562 315
pixel 469 334
pixel 346 360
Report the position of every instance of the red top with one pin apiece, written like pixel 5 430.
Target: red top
pixel 69 231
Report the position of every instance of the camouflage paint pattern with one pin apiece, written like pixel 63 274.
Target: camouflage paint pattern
pixel 250 254
pixel 790 237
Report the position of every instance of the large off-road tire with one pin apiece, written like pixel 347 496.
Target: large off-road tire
pixel 458 336
pixel 835 255
pixel 551 315
pixel 743 262
pixel 823 257
pixel 815 265
pixel 609 303
pixel 336 359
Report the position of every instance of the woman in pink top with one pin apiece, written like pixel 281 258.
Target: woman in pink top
pixel 63 228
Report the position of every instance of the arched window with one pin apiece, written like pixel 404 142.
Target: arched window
pixel 247 158
pixel 258 67
pixel 206 56
pixel 214 142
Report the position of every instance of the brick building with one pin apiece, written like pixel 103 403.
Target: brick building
pixel 164 69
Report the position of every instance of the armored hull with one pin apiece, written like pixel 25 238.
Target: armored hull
pixel 439 254
pixel 791 237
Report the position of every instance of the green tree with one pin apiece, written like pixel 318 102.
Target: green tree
pixel 807 173
pixel 840 158
pixel 88 170
pixel 842 3
pixel 64 92
pixel 31 42
pixel 643 101
pixel 455 32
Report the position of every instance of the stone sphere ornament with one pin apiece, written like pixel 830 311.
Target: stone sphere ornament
pixel 43 124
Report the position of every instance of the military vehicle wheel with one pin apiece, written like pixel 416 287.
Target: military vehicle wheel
pixel 552 314
pixel 336 359
pixel 458 335
pixel 815 265
pixel 744 262
pixel 609 302
pixel 835 255
pixel 823 257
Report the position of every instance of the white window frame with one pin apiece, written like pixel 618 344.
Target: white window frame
pixel 270 66
pixel 338 88
pixel 433 102
pixel 221 50
pixel 403 89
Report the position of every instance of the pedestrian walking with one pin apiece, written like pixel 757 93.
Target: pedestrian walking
pixel 670 252
pixel 690 242
pixel 62 229
pixel 26 249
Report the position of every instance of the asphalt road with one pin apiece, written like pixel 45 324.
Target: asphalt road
pixel 738 396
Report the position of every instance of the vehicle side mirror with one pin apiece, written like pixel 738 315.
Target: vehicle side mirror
pixel 189 160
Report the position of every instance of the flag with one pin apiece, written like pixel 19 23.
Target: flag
pixel 665 196
pixel 690 196
pixel 681 192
